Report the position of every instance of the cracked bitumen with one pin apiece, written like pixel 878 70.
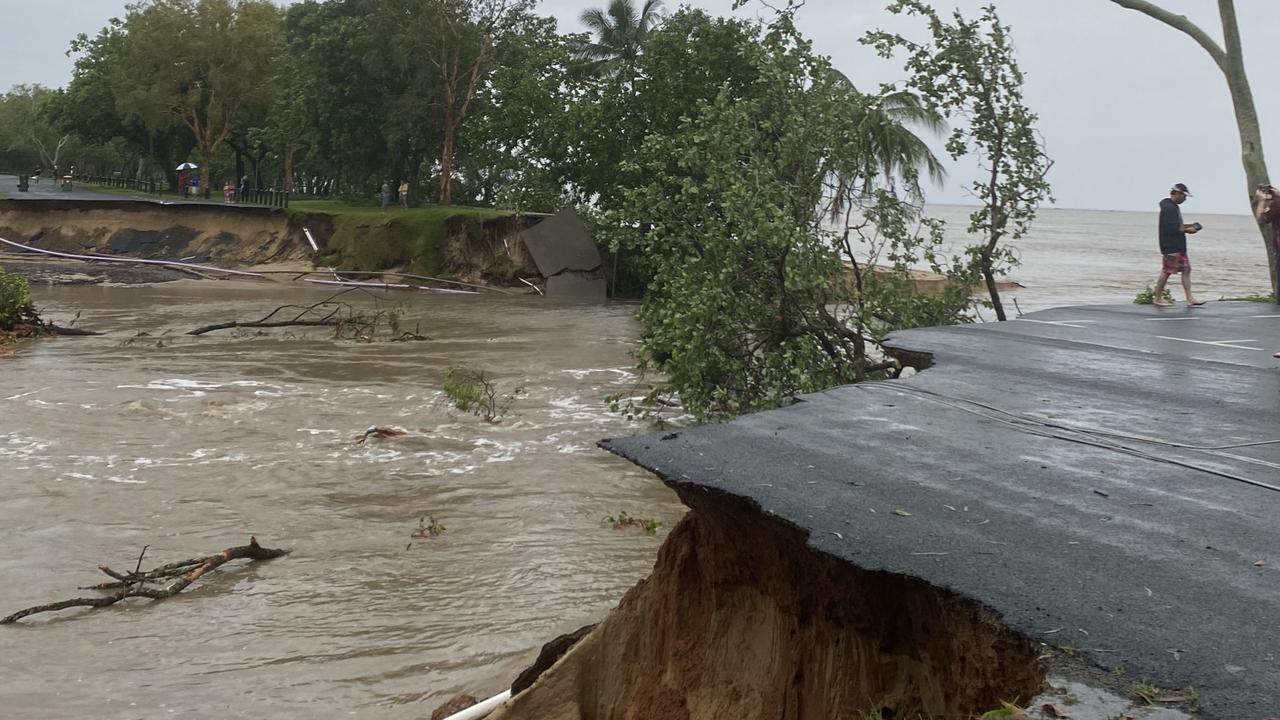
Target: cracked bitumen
pixel 1105 479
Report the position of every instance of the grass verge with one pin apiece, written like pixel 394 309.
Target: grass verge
pixel 371 238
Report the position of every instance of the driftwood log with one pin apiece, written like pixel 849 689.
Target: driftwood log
pixel 325 312
pixel 135 584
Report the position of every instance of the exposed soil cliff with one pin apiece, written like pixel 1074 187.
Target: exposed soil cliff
pixel 741 619
pixel 205 233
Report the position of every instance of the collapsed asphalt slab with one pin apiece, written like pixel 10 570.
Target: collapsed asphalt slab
pixel 1106 479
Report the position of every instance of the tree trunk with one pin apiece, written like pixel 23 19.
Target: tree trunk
pixel 446 157
pixel 1251 156
pixel 240 165
pixel 1230 59
pixel 206 154
pixel 288 166
pixel 990 278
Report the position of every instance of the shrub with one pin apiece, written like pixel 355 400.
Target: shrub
pixel 471 391
pixel 1147 296
pixel 15 300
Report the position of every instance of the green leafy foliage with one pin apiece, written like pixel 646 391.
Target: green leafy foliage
pixel 763 215
pixel 15 300
pixel 968 71
pixel 625 520
pixel 1147 296
pixel 29 134
pixel 473 391
pixel 370 238
pixel 109 129
pixel 203 64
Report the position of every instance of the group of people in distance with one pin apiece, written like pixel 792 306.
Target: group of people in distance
pixel 1174 232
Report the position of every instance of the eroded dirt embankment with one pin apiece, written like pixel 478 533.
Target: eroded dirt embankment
pixel 150 230
pixel 741 619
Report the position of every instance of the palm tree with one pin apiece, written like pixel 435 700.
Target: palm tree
pixel 620 33
pixel 884 124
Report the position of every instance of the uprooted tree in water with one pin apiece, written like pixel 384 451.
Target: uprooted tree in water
pixel 18 315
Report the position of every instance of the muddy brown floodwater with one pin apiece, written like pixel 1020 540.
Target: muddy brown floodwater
pixel 195 445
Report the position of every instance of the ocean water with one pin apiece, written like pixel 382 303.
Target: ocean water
pixel 1075 257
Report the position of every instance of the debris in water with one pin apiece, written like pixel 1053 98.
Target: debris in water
pixel 426 530
pixel 626 520
pixel 381 432
pixel 176 575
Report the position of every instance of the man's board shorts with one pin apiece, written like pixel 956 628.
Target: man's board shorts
pixel 1175 263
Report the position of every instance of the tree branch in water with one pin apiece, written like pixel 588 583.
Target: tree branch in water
pixel 134 584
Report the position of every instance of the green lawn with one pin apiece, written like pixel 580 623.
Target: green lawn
pixel 371 238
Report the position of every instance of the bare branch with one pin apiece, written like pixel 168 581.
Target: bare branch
pixel 131 586
pixel 1180 23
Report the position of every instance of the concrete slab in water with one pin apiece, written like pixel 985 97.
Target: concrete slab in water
pixel 567 257
pixel 1107 479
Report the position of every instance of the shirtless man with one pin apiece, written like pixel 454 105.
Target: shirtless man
pixel 1173 246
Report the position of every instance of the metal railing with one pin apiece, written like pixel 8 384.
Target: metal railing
pixel 152 187
pixel 160 188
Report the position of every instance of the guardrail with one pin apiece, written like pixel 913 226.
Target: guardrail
pixel 269 198
pixel 152 187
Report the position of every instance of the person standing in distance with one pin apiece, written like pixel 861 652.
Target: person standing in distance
pixel 1266 210
pixel 1173 246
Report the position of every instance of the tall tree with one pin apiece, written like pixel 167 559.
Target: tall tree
pixel 413 125
pixel 620 33
pixel 732 207
pixel 517 138
pixel 205 62
pixel 1229 58
pixel 457 41
pixel 970 73
pixel 28 117
pixel 90 109
pixel 344 88
pixel 689 59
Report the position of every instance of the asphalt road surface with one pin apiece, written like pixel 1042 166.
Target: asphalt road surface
pixel 1106 478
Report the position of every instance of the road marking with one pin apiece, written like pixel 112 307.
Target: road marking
pixel 1233 344
pixel 1168 319
pixel 1264 316
pixel 1060 323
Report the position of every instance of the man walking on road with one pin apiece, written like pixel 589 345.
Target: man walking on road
pixel 1173 246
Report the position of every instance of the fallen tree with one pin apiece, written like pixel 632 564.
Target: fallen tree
pixel 18 315
pixel 347 322
pixel 137 583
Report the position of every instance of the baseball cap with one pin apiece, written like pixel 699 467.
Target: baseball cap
pixel 1179 187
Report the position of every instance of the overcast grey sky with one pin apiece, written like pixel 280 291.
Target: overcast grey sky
pixel 1127 105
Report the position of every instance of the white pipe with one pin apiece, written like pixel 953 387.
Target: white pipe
pixel 307 231
pixel 388 286
pixel 132 261
pixel 481 709
pixel 535 287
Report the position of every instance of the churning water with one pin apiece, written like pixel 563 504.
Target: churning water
pixel 191 444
